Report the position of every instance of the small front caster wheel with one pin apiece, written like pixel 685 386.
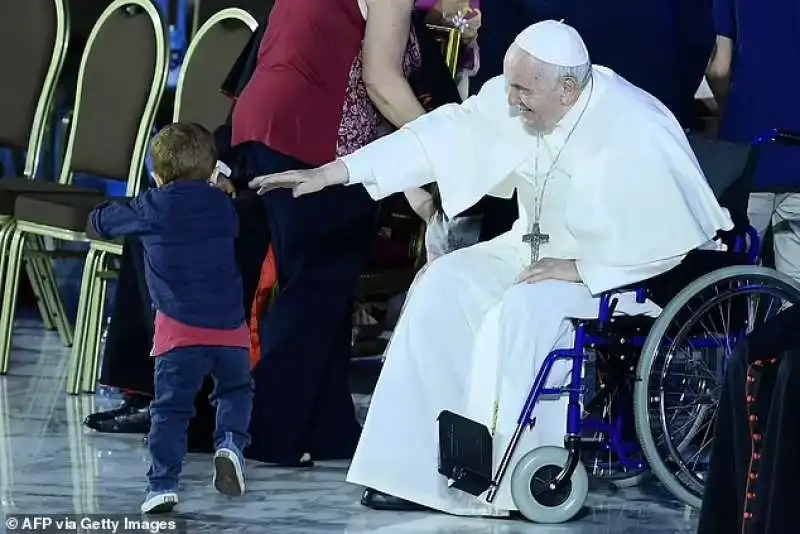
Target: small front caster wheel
pixel 534 493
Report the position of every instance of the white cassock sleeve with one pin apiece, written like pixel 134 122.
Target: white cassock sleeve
pixel 639 208
pixel 398 158
pixel 468 149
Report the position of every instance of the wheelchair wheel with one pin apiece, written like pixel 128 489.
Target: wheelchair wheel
pixel 532 492
pixel 682 366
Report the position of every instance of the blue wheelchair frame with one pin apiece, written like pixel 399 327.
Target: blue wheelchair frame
pixel 747 242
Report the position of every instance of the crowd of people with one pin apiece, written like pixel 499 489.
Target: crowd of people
pixel 558 159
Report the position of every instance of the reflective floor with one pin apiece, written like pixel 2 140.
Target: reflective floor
pixel 50 464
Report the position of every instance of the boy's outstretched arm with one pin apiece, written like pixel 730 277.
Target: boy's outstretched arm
pixel 121 219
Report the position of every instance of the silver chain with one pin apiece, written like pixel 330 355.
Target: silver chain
pixel 537 210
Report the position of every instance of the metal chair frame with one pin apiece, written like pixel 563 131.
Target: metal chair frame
pixel 92 294
pixel 24 231
pixel 37 269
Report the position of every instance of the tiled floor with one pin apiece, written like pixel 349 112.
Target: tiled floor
pixel 50 464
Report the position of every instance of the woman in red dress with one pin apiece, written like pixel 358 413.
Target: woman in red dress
pixel 325 81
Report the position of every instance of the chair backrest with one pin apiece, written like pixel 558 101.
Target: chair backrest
pixel 83 15
pixel 33 44
pixel 215 47
pixel 205 9
pixel 121 79
pixel 728 168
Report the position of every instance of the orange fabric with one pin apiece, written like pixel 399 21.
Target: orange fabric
pixel 266 284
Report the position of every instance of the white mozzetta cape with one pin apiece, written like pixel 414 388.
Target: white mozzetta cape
pixel 637 194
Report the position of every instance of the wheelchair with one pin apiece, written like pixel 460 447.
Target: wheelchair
pixel 642 392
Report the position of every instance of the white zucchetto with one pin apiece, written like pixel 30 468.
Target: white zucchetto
pixel 554 42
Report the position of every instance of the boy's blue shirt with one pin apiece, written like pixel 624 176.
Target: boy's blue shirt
pixel 188 230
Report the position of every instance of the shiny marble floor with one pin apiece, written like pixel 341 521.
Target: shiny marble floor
pixel 50 463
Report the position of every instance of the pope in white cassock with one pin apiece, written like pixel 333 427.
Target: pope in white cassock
pixel 610 194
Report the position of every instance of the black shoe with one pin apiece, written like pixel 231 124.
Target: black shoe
pixel 130 404
pixel 381 501
pixel 133 417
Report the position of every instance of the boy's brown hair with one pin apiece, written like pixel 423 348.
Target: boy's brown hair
pixel 183 151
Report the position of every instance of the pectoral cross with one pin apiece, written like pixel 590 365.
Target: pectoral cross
pixel 535 239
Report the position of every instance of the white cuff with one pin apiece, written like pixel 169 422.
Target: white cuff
pixel 359 169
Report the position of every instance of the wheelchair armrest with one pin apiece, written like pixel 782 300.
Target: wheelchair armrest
pixel 623 289
pixel 609 295
pixel 608 303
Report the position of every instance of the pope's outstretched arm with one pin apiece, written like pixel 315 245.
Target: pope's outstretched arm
pixel 391 164
pixel 467 149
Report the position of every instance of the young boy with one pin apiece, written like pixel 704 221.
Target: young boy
pixel 188 227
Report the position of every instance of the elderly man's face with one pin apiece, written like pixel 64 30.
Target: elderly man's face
pixel 533 91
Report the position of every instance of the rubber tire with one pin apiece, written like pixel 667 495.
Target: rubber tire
pixel 521 492
pixel 640 393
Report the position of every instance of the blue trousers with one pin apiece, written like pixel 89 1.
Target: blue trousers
pixel 178 378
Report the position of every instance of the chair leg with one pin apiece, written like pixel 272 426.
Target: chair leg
pixel 49 293
pixel 78 353
pixel 53 298
pixel 6 231
pixel 34 275
pixel 9 304
pixel 33 268
pixel 6 453
pixel 94 329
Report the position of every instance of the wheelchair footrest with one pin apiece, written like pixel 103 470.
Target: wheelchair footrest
pixel 465 453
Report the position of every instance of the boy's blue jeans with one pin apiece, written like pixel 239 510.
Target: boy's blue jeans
pixel 178 378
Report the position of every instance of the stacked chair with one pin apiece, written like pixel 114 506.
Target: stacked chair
pixel 33 38
pixel 121 79
pixel 214 48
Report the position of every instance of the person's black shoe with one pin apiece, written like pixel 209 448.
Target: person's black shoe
pixel 378 500
pixel 133 417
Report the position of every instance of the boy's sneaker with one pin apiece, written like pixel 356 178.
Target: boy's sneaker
pixel 159 502
pixel 229 470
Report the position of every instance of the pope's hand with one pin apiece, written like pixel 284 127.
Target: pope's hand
pixel 550 269
pixel 303 182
